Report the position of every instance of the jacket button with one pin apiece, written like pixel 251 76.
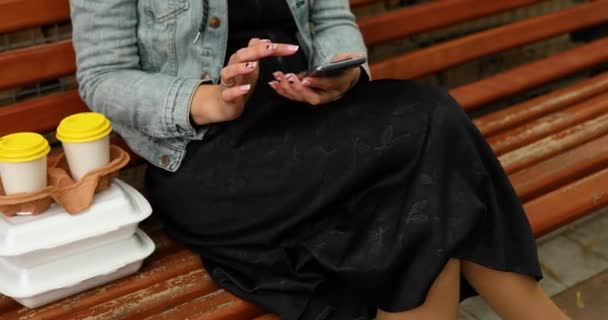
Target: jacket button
pixel 205 76
pixel 164 160
pixel 214 22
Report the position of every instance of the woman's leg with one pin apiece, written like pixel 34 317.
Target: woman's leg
pixel 441 301
pixel 513 296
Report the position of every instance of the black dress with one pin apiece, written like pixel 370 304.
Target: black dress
pixel 335 211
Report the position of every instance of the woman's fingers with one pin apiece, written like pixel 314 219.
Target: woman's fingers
pixel 321 83
pixel 261 49
pixel 230 72
pixel 232 94
pixel 292 88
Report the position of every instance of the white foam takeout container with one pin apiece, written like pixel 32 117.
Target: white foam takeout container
pixel 71 275
pixel 28 241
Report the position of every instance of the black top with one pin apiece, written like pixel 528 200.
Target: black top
pixel 264 19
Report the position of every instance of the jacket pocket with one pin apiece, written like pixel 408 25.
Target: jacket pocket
pixel 160 11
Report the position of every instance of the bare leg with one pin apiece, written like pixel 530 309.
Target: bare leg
pixel 513 296
pixel 441 301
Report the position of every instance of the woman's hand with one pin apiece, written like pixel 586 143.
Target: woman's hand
pixel 317 90
pixel 226 101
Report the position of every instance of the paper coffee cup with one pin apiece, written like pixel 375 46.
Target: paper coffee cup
pixel 86 142
pixel 23 162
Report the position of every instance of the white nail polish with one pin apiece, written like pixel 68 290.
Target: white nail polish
pixel 245 87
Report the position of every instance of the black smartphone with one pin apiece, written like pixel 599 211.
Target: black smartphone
pixel 333 68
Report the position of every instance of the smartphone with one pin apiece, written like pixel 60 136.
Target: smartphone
pixel 333 68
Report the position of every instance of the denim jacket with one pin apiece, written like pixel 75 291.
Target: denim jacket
pixel 140 61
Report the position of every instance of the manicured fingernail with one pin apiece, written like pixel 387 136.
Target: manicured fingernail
pixel 245 87
pixel 306 82
pixel 293 48
pixel 272 84
pixel 277 75
pixel 250 65
pixel 266 40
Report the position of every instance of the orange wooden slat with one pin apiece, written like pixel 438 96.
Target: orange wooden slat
pixel 40 114
pixel 218 305
pixel 152 299
pixel 7 304
pixel 561 169
pixel 523 135
pixel 153 271
pixel 36 64
pixel 424 17
pixel 454 52
pixel 554 144
pixel 568 203
pixel 361 3
pixel 530 75
pixel 267 317
pixel 22 14
pixel 512 116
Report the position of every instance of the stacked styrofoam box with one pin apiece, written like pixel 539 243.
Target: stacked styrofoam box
pixel 51 256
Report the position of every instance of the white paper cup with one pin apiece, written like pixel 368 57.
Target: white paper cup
pixel 23 161
pixel 86 142
pixel 84 157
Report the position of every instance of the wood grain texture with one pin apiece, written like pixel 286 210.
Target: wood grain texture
pixel 22 14
pixel 564 168
pixel 429 16
pixel 554 144
pixel 501 120
pixel 40 114
pixel 568 203
pixel 426 61
pixel 476 94
pixel 554 122
pixel 36 64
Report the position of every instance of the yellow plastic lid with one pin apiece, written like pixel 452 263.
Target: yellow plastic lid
pixel 83 127
pixel 23 147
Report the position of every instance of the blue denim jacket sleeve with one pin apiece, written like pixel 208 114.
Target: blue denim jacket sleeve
pixel 110 77
pixel 334 30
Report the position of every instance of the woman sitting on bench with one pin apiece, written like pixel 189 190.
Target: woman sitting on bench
pixel 316 197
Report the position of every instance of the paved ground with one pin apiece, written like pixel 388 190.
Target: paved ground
pixel 575 264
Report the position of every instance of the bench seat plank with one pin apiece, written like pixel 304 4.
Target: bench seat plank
pixel 219 305
pixel 268 316
pixel 37 64
pixel 498 121
pixel 567 204
pixel 424 17
pixel 554 144
pixel 560 120
pixel 561 169
pixel 439 57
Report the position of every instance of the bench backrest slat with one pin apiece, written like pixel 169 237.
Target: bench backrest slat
pixel 22 14
pixel 525 77
pixel 41 114
pixel 439 57
pixel 430 16
pixel 36 64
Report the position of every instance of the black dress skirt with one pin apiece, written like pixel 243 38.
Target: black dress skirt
pixel 335 211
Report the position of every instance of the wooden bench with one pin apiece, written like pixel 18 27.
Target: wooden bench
pixel 553 141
